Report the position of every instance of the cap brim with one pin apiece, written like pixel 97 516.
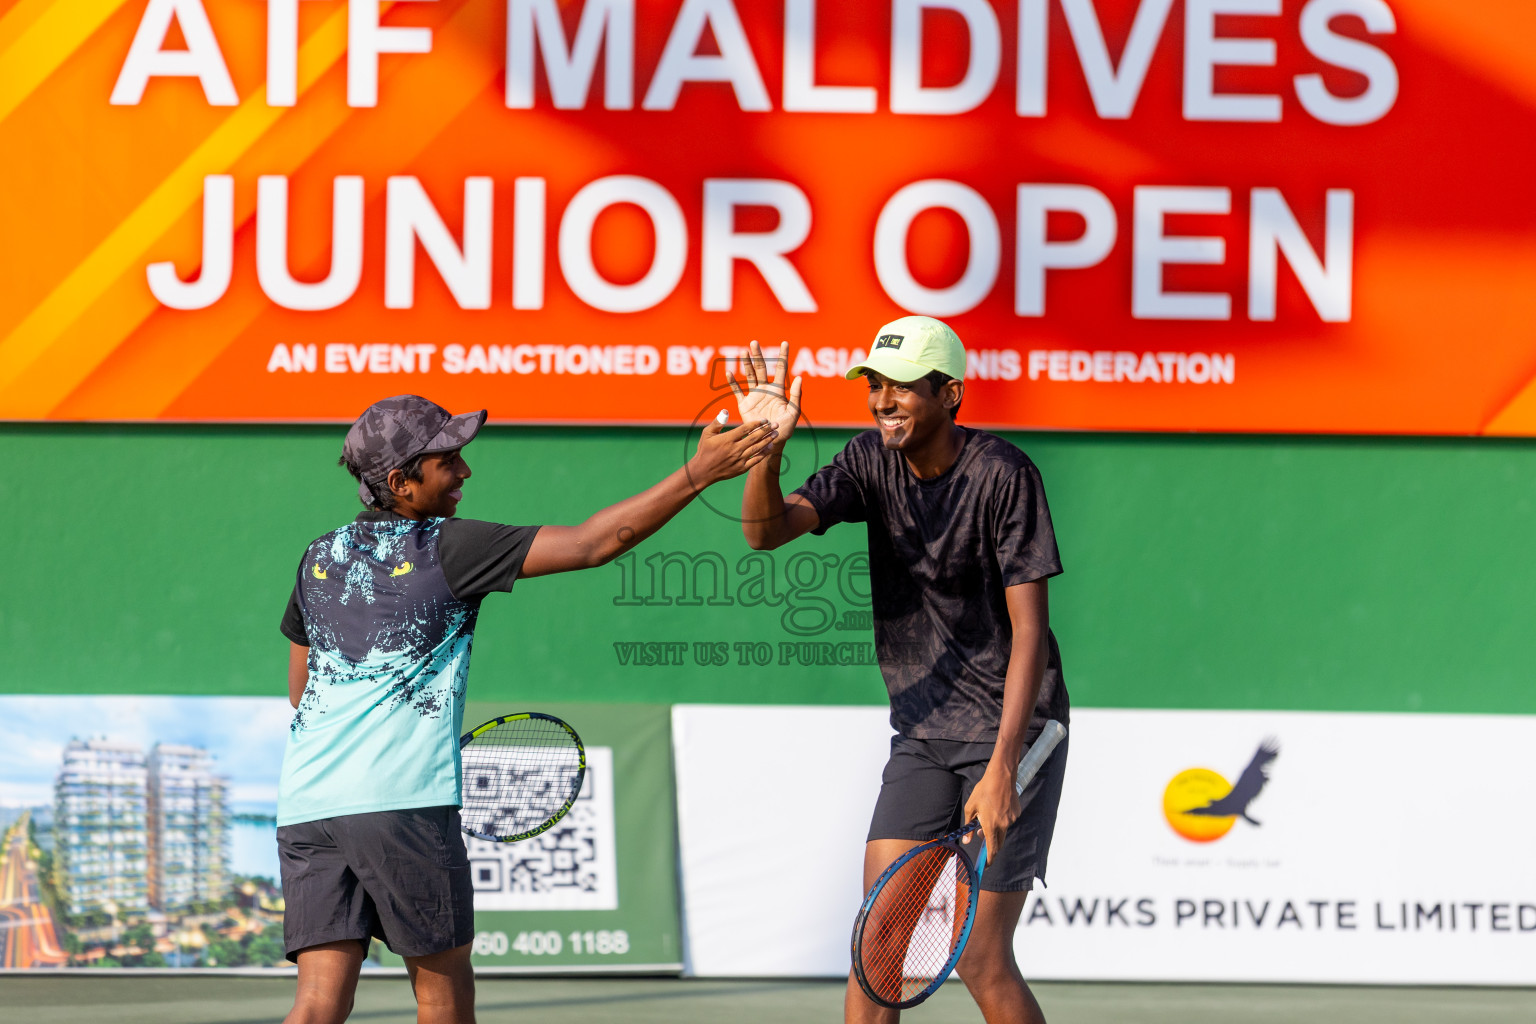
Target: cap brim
pixel 456 433
pixel 890 365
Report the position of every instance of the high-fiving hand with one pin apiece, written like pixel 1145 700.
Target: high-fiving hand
pixel 724 453
pixel 762 397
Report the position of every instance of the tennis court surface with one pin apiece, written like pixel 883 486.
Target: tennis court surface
pixel 225 1000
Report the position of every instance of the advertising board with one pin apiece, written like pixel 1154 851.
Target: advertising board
pixel 1226 215
pixel 140 832
pixel 1191 846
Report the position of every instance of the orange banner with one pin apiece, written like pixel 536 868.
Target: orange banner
pixel 1233 215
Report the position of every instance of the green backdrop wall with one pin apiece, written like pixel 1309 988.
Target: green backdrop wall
pixel 1226 572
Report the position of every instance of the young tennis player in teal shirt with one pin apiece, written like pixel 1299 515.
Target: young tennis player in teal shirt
pixel 381 622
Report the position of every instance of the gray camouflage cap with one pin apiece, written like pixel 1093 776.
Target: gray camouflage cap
pixel 394 431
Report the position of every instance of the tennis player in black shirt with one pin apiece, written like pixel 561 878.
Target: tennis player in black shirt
pixel 960 548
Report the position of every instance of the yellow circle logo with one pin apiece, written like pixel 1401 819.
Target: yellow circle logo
pixel 1196 787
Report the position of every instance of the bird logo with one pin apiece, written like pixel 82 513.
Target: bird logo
pixel 401 569
pixel 1202 806
pixel 318 572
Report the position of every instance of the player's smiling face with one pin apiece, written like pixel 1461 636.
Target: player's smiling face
pixel 439 491
pixel 908 413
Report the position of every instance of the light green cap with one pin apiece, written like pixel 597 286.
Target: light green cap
pixel 907 349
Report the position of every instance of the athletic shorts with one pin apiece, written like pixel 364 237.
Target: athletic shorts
pixel 923 793
pixel 401 876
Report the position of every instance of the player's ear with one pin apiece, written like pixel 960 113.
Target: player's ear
pixel 952 394
pixel 398 484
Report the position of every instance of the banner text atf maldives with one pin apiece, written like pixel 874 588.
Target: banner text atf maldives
pixel 1266 215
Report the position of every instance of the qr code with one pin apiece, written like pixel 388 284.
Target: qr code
pixel 570 867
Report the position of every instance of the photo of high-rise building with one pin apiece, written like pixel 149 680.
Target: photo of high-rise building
pixel 150 842
pixel 100 837
pixel 136 832
pixel 188 825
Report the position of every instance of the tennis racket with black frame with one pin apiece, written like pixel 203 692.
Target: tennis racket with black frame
pixel 521 775
pixel 915 920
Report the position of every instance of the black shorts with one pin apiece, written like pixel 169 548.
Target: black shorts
pixel 923 792
pixel 401 876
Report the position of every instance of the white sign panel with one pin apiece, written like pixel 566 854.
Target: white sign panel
pixel 772 807
pixel 1347 848
pixel 570 867
pixel 1191 845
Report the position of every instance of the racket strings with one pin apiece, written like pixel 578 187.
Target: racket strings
pixel 518 775
pixel 915 924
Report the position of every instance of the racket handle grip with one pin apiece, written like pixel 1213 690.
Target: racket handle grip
pixel 1052 734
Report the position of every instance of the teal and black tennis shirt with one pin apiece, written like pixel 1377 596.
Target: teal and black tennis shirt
pixel 387 607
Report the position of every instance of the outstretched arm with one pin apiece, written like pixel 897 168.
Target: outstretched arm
pixel 609 533
pixel 994 800
pixel 768 519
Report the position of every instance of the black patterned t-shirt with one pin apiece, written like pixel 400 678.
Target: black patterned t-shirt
pixel 941 554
